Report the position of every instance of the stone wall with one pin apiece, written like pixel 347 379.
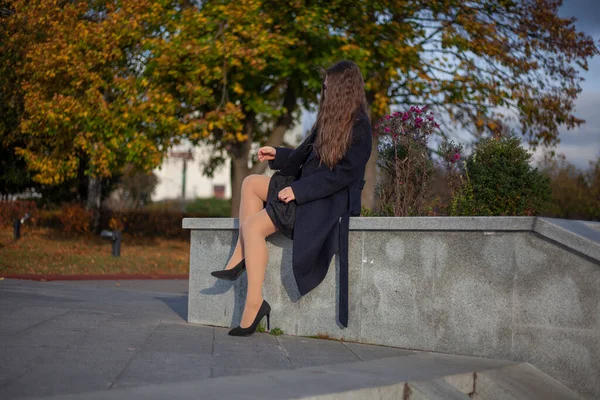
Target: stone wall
pixel 518 288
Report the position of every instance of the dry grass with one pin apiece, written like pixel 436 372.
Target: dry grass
pixel 47 251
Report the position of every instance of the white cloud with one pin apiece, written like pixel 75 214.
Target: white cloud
pixel 582 144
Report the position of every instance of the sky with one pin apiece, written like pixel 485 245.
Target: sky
pixel 582 144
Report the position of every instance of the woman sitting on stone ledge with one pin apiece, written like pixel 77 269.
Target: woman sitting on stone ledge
pixel 309 199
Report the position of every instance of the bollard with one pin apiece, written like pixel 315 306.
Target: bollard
pixel 116 244
pixel 17 225
pixel 17 228
pixel 115 236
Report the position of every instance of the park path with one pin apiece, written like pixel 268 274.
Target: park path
pixel 74 337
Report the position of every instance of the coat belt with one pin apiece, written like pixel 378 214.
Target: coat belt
pixel 343 246
pixel 343 252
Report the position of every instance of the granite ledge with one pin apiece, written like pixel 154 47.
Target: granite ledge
pixel 396 223
pixel 580 236
pixel 576 235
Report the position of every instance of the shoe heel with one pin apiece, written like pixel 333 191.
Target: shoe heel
pixel 268 322
pixel 265 310
pixel 231 274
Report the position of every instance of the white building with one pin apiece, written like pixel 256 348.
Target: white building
pixel 170 173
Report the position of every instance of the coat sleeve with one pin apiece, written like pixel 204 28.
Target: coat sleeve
pixel 281 156
pixel 327 181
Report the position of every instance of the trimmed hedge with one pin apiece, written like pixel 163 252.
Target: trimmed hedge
pixel 75 218
pixel 147 223
pixel 10 210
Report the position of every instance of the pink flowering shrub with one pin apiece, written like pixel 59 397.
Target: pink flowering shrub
pixel 452 162
pixel 404 160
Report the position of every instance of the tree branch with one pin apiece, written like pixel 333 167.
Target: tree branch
pixel 290 103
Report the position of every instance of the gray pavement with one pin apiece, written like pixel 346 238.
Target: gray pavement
pixel 73 337
pixel 147 285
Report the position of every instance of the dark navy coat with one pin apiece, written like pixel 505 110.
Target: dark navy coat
pixel 325 200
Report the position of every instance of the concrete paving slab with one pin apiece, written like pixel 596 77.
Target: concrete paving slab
pixel 16 361
pixel 199 341
pixel 304 352
pixel 183 328
pixel 75 320
pixel 368 352
pixel 146 285
pixel 260 357
pixel 152 367
pixel 42 336
pixel 226 371
pixel 16 320
pixel 72 370
pixel 311 382
pixel 116 334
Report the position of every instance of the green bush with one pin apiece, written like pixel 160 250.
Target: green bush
pixel 211 207
pixel 145 222
pixel 498 180
pixel 575 192
pixel 148 223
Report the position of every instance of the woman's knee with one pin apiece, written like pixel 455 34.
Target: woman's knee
pixel 257 185
pixel 258 225
pixel 249 182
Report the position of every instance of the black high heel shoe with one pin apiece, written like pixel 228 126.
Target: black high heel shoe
pixel 231 274
pixel 264 310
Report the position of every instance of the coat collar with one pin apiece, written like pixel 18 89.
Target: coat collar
pixel 312 155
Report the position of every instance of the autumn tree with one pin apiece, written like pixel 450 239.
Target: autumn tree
pixel 478 62
pixel 575 192
pixel 249 61
pixel 125 79
pixel 84 93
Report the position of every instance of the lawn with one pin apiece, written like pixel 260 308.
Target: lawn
pixel 46 251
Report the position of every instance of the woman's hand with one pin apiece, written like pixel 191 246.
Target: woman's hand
pixel 266 153
pixel 286 195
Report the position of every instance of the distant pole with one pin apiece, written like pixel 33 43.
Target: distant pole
pixel 17 228
pixel 185 156
pixel 183 185
pixel 116 247
pixel 17 225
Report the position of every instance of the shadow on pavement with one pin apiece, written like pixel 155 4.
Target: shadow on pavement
pixel 178 304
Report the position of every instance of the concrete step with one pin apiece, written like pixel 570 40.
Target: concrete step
pixel 521 381
pixel 423 376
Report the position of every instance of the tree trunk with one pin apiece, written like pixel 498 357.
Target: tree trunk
pixel 94 197
pixel 239 171
pixel 82 182
pixel 239 165
pixel 239 160
pixel 283 124
pixel 368 193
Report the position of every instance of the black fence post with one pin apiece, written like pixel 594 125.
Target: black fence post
pixel 116 245
pixel 17 228
pixel 115 237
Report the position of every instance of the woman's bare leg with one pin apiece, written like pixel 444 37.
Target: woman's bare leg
pixel 254 193
pixel 256 229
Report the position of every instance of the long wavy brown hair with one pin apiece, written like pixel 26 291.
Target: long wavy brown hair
pixel 341 101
